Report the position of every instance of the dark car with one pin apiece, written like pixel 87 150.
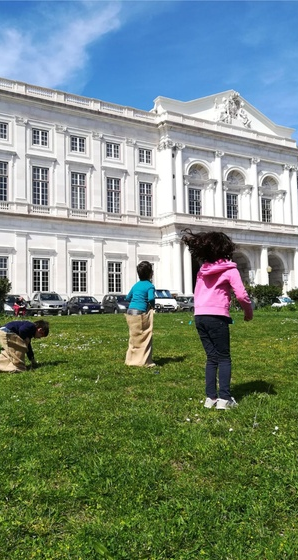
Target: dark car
pixel 9 305
pixel 114 303
pixel 83 305
pixel 185 303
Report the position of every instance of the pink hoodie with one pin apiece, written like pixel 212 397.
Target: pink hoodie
pixel 213 289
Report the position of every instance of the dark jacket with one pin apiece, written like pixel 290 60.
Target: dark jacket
pixel 24 329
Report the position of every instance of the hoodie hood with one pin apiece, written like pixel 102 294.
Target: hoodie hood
pixel 208 269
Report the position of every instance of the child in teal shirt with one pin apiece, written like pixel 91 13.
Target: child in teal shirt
pixel 140 318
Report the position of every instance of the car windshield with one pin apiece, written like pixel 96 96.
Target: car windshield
pixel 11 299
pixel 87 300
pixel 163 294
pixel 50 297
pixel 121 299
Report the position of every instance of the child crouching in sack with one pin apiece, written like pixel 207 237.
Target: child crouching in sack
pixel 15 341
pixel 139 318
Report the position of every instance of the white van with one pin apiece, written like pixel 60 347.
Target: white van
pixel 164 301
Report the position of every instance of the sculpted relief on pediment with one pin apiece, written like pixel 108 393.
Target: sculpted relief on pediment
pixel 231 110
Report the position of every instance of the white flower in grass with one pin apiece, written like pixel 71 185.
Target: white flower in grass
pixel 230 429
pixel 276 428
pixel 187 419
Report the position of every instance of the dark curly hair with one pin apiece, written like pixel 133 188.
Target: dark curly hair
pixel 145 270
pixel 208 246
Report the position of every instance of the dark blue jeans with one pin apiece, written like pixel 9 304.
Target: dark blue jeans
pixel 215 336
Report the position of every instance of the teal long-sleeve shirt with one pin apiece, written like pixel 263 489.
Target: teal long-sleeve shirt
pixel 141 294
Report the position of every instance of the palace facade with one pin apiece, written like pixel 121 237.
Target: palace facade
pixel 88 189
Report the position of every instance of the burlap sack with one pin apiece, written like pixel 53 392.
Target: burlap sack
pixel 13 353
pixel 139 351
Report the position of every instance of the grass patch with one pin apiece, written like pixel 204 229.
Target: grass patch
pixel 102 461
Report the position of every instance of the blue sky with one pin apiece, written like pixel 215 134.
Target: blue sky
pixel 130 52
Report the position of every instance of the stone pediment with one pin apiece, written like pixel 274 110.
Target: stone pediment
pixel 227 107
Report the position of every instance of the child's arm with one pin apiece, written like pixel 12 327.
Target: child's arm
pixel 151 297
pixel 241 294
pixel 129 295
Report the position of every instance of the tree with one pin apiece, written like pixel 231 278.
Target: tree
pixel 5 287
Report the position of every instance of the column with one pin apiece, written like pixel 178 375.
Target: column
pixel 23 183
pixel 187 271
pixel 96 160
pixel 62 282
pixel 294 196
pixel 21 269
pixel 295 260
pixel 61 183
pixel 287 214
pixel 264 268
pixel 97 270
pixel 177 267
pixel 219 208
pixel 165 202
pixel 133 178
pixel 180 194
pixel 255 201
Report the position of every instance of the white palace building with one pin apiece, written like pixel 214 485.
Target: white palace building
pixel 88 189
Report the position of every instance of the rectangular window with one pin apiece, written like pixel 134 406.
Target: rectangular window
pixel 232 206
pixel 145 156
pixel 40 137
pixel 113 195
pixel 77 144
pixel 194 199
pixel 40 186
pixel 3 181
pixel 79 276
pixel 266 210
pixel 146 199
pixel 3 131
pixel 78 191
pixel 3 267
pixel 115 277
pixel 112 150
pixel 41 275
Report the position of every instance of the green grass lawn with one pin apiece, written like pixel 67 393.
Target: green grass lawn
pixel 102 461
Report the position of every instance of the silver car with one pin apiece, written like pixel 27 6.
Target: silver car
pixel 48 303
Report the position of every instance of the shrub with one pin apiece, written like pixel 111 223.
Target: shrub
pixel 5 287
pixel 293 294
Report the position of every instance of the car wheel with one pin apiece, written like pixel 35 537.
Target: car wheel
pixel 80 312
pixel 191 310
pixel 68 312
pixel 115 310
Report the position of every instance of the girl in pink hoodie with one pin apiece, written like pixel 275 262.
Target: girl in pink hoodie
pixel 217 277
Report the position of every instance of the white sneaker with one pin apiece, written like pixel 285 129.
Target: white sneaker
pixel 223 404
pixel 209 403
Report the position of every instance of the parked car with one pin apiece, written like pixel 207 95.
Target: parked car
pixel 185 303
pixel 164 301
pixel 10 305
pixel 114 303
pixel 282 301
pixel 48 303
pixel 83 305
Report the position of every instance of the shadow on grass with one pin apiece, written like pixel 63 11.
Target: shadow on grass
pixel 258 386
pixel 163 361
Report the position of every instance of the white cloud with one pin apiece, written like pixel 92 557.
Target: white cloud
pixel 54 47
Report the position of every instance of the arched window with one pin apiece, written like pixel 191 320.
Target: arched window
pixel 198 172
pixel 270 182
pixel 235 178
